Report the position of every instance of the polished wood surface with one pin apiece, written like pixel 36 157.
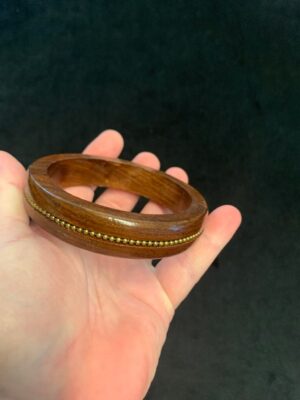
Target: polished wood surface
pixel 105 230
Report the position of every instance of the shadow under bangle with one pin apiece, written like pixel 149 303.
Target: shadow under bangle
pixel 106 230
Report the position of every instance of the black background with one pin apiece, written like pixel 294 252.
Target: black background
pixel 211 86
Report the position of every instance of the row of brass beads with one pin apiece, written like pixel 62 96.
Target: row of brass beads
pixel 114 239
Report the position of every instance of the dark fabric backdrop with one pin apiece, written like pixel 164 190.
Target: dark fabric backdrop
pixel 212 86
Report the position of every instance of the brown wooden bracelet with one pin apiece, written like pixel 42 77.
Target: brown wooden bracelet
pixel 106 230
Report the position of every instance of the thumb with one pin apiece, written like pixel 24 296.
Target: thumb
pixel 13 177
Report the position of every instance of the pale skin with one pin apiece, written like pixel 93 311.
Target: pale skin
pixel 77 325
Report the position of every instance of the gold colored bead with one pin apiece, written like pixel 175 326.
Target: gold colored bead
pixel 149 243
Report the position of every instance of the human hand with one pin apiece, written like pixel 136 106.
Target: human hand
pixel 80 325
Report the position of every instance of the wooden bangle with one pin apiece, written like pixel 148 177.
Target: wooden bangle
pixel 106 230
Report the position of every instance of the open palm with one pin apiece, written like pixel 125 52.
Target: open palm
pixel 80 325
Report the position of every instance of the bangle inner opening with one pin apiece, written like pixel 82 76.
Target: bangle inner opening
pixel 142 181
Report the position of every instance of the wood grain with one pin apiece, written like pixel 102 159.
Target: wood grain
pixel 106 230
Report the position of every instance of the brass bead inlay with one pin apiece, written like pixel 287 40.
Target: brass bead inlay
pixel 111 238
